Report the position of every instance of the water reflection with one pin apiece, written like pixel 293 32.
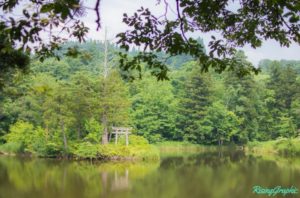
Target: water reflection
pixel 208 174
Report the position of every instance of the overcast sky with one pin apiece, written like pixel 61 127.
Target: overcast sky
pixel 112 14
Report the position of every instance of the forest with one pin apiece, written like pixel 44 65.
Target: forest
pixel 67 107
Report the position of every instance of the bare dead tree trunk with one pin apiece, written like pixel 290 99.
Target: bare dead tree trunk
pixel 105 73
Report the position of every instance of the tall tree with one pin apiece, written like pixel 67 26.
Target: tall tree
pixel 242 98
pixel 193 105
pixel 114 103
pixel 153 109
pixel 57 114
pixel 219 125
pixel 83 100
pixel 284 83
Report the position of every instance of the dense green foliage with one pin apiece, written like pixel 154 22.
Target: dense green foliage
pixel 66 107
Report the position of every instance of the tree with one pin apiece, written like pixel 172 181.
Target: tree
pixel 220 125
pixel 153 109
pixel 114 103
pixel 286 127
pixel 83 100
pixel 57 114
pixel 193 104
pixel 23 31
pixel 241 97
pixel 11 61
pixel 295 109
pixel 283 108
pixel 24 99
pixel 284 83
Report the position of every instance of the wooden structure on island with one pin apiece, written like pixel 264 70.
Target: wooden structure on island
pixel 121 131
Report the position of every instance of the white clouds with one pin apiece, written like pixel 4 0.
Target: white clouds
pixel 272 50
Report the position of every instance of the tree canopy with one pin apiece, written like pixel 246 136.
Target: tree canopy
pixel 24 24
pixel 238 22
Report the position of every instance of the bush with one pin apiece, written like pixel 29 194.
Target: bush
pixel 12 148
pixel 156 138
pixel 133 140
pixel 288 147
pixel 136 152
pixel 86 150
pixel 21 132
pixel 93 127
pixel 137 140
pixel 49 149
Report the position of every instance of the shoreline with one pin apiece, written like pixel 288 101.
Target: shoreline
pixel 153 152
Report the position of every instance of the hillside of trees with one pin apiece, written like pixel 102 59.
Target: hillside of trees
pixel 57 104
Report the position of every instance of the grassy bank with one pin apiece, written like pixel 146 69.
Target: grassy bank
pixel 118 152
pixel 283 147
pixel 92 151
pixel 138 149
pixel 178 148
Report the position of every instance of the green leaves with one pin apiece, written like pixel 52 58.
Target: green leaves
pixel 294 19
pixel 42 17
pixel 253 22
pixel 47 7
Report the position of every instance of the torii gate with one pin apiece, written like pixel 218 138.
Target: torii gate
pixel 120 131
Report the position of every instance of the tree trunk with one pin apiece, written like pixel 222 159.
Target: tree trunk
pixel 105 131
pixel 105 74
pixel 64 135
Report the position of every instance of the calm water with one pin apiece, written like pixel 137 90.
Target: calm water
pixel 204 175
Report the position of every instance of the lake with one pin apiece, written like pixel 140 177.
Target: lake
pixel 207 174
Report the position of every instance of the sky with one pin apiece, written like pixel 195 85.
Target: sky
pixel 112 15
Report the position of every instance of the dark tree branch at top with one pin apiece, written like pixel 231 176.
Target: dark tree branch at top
pixel 249 24
pixel 97 10
pixel 181 21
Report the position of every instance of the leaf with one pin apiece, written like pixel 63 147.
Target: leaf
pixel 47 8
pixel 294 19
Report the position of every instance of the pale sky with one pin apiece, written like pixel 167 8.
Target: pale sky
pixel 112 15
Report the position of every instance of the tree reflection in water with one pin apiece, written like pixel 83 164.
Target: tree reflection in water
pixel 206 174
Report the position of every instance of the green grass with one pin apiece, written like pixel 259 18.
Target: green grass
pixel 175 148
pixel 131 152
pixel 281 146
pixel 114 152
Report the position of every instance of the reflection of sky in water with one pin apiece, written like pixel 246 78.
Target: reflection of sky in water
pixel 210 174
